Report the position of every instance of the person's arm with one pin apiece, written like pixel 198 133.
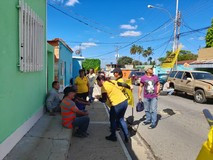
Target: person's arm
pixel 140 88
pixel 103 98
pixel 79 112
pixel 122 84
pixel 158 88
pixel 82 101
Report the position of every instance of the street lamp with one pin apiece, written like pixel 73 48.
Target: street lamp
pixel 176 21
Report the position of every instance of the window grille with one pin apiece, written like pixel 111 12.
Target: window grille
pixel 31 39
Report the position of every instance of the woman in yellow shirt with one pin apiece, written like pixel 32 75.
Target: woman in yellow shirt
pixel 82 85
pixel 118 106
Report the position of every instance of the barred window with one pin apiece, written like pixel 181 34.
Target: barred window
pixel 31 39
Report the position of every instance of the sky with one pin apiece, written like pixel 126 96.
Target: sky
pixel 102 28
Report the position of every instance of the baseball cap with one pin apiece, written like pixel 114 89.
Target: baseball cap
pixel 117 70
pixel 148 67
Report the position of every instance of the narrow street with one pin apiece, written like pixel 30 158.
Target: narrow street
pixel 178 136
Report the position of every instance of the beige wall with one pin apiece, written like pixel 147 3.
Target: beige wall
pixel 205 54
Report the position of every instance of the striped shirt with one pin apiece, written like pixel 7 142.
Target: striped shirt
pixel 68 112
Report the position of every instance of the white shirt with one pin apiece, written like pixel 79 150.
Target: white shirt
pixel 166 86
pixel 91 78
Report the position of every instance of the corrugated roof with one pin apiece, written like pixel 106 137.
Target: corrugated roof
pixel 210 61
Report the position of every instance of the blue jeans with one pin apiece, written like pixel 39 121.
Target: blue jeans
pixel 170 91
pixel 150 105
pixel 90 94
pixel 117 113
pixel 82 123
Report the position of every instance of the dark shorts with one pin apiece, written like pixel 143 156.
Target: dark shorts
pixel 83 95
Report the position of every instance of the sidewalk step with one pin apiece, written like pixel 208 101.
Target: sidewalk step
pixel 47 140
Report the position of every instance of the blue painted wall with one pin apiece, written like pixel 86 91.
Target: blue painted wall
pixel 65 55
pixel 77 65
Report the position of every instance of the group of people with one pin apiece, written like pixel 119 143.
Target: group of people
pixel 113 94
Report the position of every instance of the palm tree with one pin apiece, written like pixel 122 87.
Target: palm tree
pixel 150 60
pixel 133 49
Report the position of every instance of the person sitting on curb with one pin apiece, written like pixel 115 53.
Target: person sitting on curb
pixel 167 88
pixel 53 100
pixel 71 115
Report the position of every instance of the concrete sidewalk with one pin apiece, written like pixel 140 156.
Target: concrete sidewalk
pixel 95 147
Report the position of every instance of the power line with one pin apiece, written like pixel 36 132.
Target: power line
pixel 79 20
pixel 194 31
pixel 134 41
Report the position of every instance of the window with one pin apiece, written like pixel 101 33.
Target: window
pixel 179 75
pixel 172 74
pixel 202 75
pixel 187 75
pixel 31 39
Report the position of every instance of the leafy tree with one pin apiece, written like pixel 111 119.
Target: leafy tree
pixel 124 60
pixel 91 63
pixel 136 49
pixel 183 55
pixel 136 62
pixel 209 36
pixel 148 52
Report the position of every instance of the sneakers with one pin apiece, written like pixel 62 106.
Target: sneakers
pixel 152 126
pixel 80 135
pixel 111 138
pixel 145 123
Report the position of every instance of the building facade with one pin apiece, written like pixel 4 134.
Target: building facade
pixel 23 68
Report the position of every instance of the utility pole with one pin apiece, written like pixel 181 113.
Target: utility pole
pixel 176 30
pixel 116 54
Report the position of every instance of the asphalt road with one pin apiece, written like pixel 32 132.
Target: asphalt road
pixel 181 128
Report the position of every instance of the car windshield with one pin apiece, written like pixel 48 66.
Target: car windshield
pixel 202 75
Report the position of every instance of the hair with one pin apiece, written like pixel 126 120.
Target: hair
pixel 67 90
pixel 71 81
pixel 54 83
pixel 81 70
pixel 101 77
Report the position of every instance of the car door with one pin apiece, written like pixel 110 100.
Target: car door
pixel 186 85
pixel 177 80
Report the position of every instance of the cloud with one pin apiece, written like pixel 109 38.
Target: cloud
pixel 72 2
pixel 132 21
pixel 141 18
pixel 130 34
pixel 191 38
pixel 128 26
pixel 84 46
pixel 201 38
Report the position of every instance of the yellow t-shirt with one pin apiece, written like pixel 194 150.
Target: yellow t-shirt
pixel 81 84
pixel 122 81
pixel 114 94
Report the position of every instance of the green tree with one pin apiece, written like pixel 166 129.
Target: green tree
pixel 136 62
pixel 91 63
pixel 136 49
pixel 124 60
pixel 150 60
pixel 209 36
pixel 148 52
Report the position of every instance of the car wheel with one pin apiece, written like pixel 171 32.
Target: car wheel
pixel 200 96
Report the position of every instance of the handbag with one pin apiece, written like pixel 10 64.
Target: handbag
pixel 140 106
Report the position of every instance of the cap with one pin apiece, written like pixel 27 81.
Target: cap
pixel 117 70
pixel 148 67
pixel 67 90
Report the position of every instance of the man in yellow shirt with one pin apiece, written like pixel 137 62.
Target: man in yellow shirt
pixel 82 85
pixel 118 106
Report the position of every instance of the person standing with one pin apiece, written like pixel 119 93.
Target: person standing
pixel 150 83
pixel 118 106
pixel 82 84
pixel 53 100
pixel 91 79
pixel 71 115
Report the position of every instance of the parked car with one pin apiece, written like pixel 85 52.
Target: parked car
pixel 162 79
pixel 196 83
pixel 136 77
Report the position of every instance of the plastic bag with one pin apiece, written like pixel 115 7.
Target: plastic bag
pixel 140 106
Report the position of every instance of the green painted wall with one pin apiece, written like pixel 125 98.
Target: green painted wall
pixel 50 66
pixel 22 94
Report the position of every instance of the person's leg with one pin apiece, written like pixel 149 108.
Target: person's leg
pixel 147 110
pixel 90 94
pixel 82 123
pixel 153 110
pixel 120 112
pixel 170 91
pixel 112 136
